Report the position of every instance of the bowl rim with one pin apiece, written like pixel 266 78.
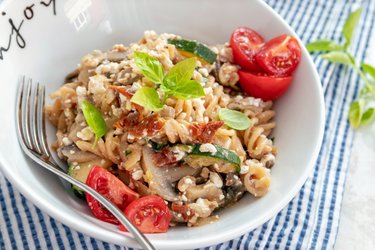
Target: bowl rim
pixel 185 243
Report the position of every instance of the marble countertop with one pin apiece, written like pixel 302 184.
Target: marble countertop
pixel 357 220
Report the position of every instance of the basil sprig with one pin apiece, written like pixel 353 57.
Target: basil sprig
pixel 176 83
pixel 94 119
pixel 234 119
pixel 360 112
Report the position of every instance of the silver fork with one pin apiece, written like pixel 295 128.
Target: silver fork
pixel 31 134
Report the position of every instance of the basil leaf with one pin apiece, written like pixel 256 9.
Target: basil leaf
pixel 234 119
pixel 323 45
pixel 187 90
pixel 368 116
pixel 355 113
pixel 180 73
pixel 349 26
pixel 339 57
pixel 148 98
pixel 149 66
pixel 368 69
pixel 94 119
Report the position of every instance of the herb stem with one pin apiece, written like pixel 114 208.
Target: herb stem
pixel 166 96
pixel 364 79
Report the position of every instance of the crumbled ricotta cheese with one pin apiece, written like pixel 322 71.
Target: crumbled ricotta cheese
pixel 96 84
pixel 81 94
pixel 203 204
pixel 203 71
pixel 66 141
pixel 244 169
pixel 208 147
pixel 137 175
pixel 85 134
pixel 178 154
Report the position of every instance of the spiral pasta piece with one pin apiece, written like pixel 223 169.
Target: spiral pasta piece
pixel 257 180
pixel 256 142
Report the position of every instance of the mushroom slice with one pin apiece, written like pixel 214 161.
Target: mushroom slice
pixel 74 154
pixel 156 177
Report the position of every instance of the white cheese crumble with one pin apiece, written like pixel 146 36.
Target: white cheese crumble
pixel 96 84
pixel 178 154
pixel 203 71
pixel 85 134
pixel 81 94
pixel 203 204
pixel 137 175
pixel 184 198
pixel 208 147
pixel 244 169
pixel 66 141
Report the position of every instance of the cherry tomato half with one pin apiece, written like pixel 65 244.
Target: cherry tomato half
pixel 263 86
pixel 279 56
pixel 245 43
pixel 110 187
pixel 149 214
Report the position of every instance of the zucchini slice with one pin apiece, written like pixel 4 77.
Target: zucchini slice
pixel 226 160
pixel 81 171
pixel 190 48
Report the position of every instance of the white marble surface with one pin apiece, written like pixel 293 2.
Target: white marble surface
pixel 357 220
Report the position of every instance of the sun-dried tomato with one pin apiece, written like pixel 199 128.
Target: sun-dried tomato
pixel 139 127
pixel 186 212
pixel 165 157
pixel 204 132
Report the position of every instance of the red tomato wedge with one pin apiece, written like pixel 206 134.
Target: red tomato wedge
pixel 149 214
pixel 245 43
pixel 279 56
pixel 263 86
pixel 110 187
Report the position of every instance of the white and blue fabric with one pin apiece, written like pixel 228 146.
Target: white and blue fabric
pixel 311 219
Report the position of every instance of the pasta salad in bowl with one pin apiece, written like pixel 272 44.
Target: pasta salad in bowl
pixel 200 124
pixel 166 119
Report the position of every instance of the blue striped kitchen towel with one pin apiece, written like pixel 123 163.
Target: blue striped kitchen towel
pixel 310 221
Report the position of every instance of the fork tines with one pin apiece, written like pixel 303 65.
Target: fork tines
pixel 31 117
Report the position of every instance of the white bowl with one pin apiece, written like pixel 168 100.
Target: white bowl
pixel 54 45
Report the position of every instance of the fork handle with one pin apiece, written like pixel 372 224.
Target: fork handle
pixel 142 240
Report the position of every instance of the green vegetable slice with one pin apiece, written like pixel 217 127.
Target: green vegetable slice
pixel 94 119
pixel 191 48
pixel 81 171
pixel 226 160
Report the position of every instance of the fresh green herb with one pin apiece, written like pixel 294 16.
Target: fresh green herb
pixel 94 119
pixel 368 116
pixel 187 90
pixel 179 73
pixel 127 152
pixel 149 66
pixel 360 112
pixel 323 45
pixel 234 119
pixel 350 25
pixel 355 113
pixel 177 82
pixel 148 98
pixel 338 57
pixel 368 69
